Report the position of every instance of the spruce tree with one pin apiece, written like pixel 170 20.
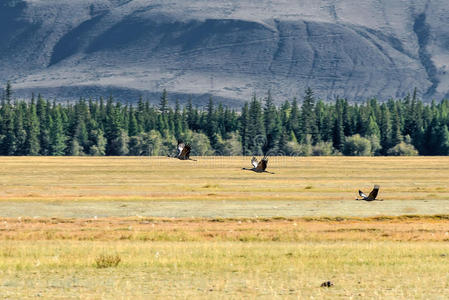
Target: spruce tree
pixel 133 127
pixel 244 129
pixel 8 92
pixel 256 130
pixel 7 145
pixel 163 104
pixel 396 135
pixel 210 120
pixel 308 117
pixel 272 125
pixel 385 129
pixel 293 118
pixel 443 140
pixel 178 122
pixel 57 137
pixel 338 135
pixel 19 130
pixel 32 146
pixel 44 126
pixel 373 128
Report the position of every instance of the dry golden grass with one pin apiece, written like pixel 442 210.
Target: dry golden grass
pixel 379 270
pixel 217 187
pixel 381 257
pixel 59 216
pixel 221 178
pixel 412 228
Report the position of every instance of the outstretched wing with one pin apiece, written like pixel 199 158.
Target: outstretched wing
pixel 262 165
pixel 254 162
pixel 373 194
pixel 185 153
pixel 181 146
pixel 362 194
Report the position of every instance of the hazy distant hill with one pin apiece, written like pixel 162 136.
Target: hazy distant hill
pixel 350 48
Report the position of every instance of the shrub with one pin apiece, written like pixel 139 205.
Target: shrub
pixel 231 146
pixel 302 149
pixel 357 146
pixel 322 149
pixel 375 144
pixel 295 149
pixel 107 261
pixel 200 144
pixel 402 149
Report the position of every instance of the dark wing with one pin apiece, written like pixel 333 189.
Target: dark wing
pixel 185 153
pixel 254 162
pixel 373 194
pixel 362 194
pixel 262 165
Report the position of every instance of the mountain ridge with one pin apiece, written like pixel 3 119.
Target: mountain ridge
pixel 345 48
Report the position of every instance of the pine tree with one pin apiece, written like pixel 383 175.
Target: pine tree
pixel 82 137
pixel 338 135
pixel 141 115
pixel 133 127
pixel 320 115
pixel 210 120
pixel 443 140
pixel 385 129
pixel 373 128
pixel 113 130
pixel 256 130
pixel 272 125
pixel 19 130
pixel 347 122
pixel 308 121
pixel 163 104
pixel 7 145
pixel 57 137
pixel 191 121
pixel 8 92
pixel 396 136
pixel 244 129
pixel 293 118
pixel 97 142
pixel 44 126
pixel 220 120
pixel 178 122
pixel 32 146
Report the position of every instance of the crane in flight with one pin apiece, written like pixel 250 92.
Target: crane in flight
pixel 259 167
pixel 183 151
pixel 372 196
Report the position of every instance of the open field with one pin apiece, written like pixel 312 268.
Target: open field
pixel 400 258
pixel 207 229
pixel 360 270
pixel 217 187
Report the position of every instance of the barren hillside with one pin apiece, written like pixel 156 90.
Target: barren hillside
pixel 231 49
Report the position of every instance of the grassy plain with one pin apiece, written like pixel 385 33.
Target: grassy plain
pixel 218 187
pixel 375 258
pixel 188 229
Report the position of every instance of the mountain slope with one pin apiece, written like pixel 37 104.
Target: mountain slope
pixel 346 48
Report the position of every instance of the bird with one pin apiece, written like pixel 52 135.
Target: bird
pixel 327 284
pixel 372 196
pixel 259 167
pixel 183 151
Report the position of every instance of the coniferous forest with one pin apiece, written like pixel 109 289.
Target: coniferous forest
pixel 307 127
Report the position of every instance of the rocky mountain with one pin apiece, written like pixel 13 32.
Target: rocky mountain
pixel 228 49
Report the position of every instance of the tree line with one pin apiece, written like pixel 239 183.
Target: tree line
pixel 405 126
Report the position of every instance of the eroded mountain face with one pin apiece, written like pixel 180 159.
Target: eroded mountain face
pixel 347 48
